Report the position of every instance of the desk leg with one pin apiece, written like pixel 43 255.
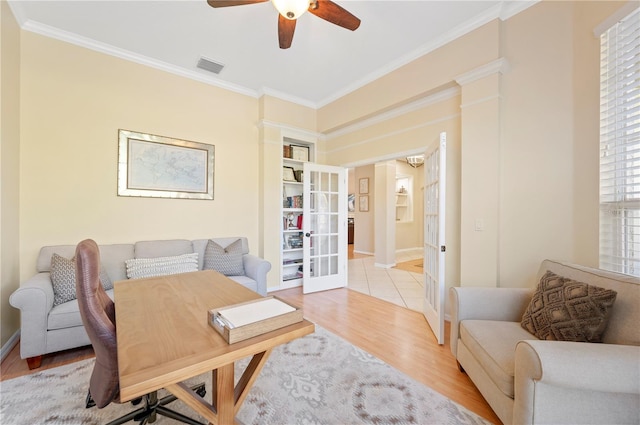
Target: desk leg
pixel 223 397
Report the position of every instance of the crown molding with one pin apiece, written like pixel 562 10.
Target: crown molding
pixel 292 130
pixel 497 66
pixel 72 38
pixel 393 113
pixel 265 91
pixel 502 11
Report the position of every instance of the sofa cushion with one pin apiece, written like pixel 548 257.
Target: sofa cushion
pixel 63 279
pixel 161 266
pixel 67 315
pixel 164 248
pixel 563 309
pixel 224 259
pixel 493 344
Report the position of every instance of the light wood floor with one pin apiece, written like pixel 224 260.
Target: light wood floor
pixel 396 335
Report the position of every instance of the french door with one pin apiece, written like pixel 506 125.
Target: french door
pixel 434 236
pixel 324 227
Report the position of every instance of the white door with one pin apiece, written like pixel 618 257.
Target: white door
pixel 325 227
pixel 434 232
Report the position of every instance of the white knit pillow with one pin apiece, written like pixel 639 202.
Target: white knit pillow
pixel 161 266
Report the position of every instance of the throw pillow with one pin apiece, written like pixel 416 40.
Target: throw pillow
pixel 161 266
pixel 227 261
pixel 63 279
pixel 563 309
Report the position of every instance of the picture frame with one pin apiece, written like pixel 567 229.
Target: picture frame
pixel 287 174
pixel 363 203
pixel 163 167
pixel 364 185
pixel 351 202
pixel 300 153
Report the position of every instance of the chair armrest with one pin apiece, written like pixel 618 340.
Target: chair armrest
pixel 34 298
pixel 592 368
pixel 597 367
pixel 506 304
pixel 257 268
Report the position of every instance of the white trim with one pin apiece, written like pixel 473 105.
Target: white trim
pixel 620 14
pixel 8 346
pixel 483 100
pixel 503 11
pixel 500 65
pixel 512 8
pixel 68 37
pixel 299 132
pixel 497 12
pixel 385 266
pixel 393 133
pixel 395 112
pixel 362 252
pixel 266 91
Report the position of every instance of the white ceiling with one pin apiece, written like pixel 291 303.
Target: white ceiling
pixel 323 63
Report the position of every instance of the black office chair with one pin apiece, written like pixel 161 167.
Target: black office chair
pixel 98 316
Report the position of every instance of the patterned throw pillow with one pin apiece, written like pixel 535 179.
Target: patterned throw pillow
pixel 161 266
pixel 227 261
pixel 566 310
pixel 63 279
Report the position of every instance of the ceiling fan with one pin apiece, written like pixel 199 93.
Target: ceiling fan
pixel 290 10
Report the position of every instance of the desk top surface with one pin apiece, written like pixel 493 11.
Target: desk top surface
pixel 163 334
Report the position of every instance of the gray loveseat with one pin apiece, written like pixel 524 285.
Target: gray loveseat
pixel 530 381
pixel 46 328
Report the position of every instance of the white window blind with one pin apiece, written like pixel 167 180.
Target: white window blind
pixel 620 146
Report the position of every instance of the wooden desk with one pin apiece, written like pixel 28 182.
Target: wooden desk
pixel 164 339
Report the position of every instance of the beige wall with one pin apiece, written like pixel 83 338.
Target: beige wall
pixel 74 101
pixel 537 120
pixel 9 169
pixel 543 126
pixel 364 231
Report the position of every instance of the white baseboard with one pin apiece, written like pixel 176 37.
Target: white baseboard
pixel 385 266
pixel 362 252
pixel 6 348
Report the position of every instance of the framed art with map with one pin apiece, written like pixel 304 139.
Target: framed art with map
pixel 162 167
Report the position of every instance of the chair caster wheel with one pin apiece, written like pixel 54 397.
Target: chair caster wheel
pixel 201 391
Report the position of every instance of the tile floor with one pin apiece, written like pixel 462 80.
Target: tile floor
pixel 397 286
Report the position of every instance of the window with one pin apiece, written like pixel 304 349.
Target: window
pixel 620 146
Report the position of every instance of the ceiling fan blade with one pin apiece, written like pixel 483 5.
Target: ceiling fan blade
pixel 329 11
pixel 224 3
pixel 286 28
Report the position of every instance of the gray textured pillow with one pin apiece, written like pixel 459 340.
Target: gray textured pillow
pixel 227 261
pixel 63 279
pixel 567 310
pixel 161 266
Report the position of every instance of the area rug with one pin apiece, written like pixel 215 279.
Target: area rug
pixel 314 380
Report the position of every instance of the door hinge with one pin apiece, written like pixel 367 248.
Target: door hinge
pixel 443 248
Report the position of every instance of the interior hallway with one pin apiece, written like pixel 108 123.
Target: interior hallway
pixel 397 286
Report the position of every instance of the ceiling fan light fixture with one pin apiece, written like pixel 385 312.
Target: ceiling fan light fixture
pixel 291 9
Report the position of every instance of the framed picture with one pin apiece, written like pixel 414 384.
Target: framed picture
pixel 300 153
pixel 288 174
pixel 364 203
pixel 162 167
pixel 351 202
pixel 364 185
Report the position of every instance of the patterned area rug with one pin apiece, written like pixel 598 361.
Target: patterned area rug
pixel 317 379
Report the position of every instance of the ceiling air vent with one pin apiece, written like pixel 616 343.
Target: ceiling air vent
pixel 209 65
